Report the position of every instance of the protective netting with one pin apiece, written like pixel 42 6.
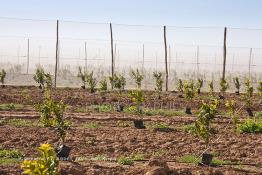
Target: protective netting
pixel 192 51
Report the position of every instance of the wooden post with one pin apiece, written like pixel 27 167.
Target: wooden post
pixel 156 60
pixel 27 66
pixel 233 62
pixel 112 54
pixel 85 57
pixel 169 56
pixel 18 55
pixel 118 58
pixel 249 62
pixel 39 55
pixel 143 58
pixel 115 57
pixel 197 55
pixel 165 43
pixel 56 55
pixel 224 54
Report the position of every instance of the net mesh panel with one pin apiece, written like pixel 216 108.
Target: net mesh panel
pixel 83 45
pixel 138 47
pixel 192 51
pixel 14 37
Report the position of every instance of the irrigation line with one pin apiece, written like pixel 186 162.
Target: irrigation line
pixel 122 41
pixel 147 160
pixel 26 19
pixel 130 25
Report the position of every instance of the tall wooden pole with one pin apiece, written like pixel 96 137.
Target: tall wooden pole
pixel 115 57
pixel 143 58
pixel 197 61
pixel 224 54
pixel 56 55
pixel 233 62
pixel 249 62
pixel 165 43
pixel 85 58
pixel 18 55
pixel 169 56
pixel 118 58
pixel 39 55
pixel 112 54
pixel 27 66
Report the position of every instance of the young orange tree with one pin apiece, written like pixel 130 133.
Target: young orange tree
pixel 206 114
pixel 2 77
pixel 189 93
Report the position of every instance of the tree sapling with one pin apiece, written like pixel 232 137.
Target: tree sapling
pixel 248 97
pixel 159 83
pixel 189 93
pixel 206 114
pixel 223 88
pixel 2 77
pixel 237 85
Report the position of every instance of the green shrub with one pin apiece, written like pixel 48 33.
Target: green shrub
pixel 199 85
pixel 117 82
pixel 130 109
pixel 223 86
pixel 258 114
pixel 259 88
pixel 2 77
pixel 189 90
pixel 91 81
pixel 51 114
pixel 138 157
pixel 237 83
pixel 11 106
pixel 211 88
pixel 19 122
pixel 138 77
pixel 248 93
pixel 162 112
pixel 231 110
pixel 125 160
pixel 91 125
pixel 10 154
pixel 190 128
pixel 250 126
pixel 189 159
pixel 158 76
pixel 82 76
pixel 103 85
pixel 180 86
pixel 161 125
pixel 46 164
pixel 137 97
pixel 189 94
pixel 45 109
pixel 101 158
pixel 104 108
pixel 206 115
pixel 42 78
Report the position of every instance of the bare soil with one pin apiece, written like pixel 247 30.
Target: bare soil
pixel 115 136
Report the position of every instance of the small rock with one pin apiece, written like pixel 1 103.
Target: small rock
pixel 157 166
pixel 157 171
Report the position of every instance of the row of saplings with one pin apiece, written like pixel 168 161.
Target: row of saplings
pixel 118 81
pixel 188 88
pixel 52 116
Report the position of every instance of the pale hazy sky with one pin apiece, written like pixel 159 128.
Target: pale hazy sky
pixel 236 13
pixel 230 13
